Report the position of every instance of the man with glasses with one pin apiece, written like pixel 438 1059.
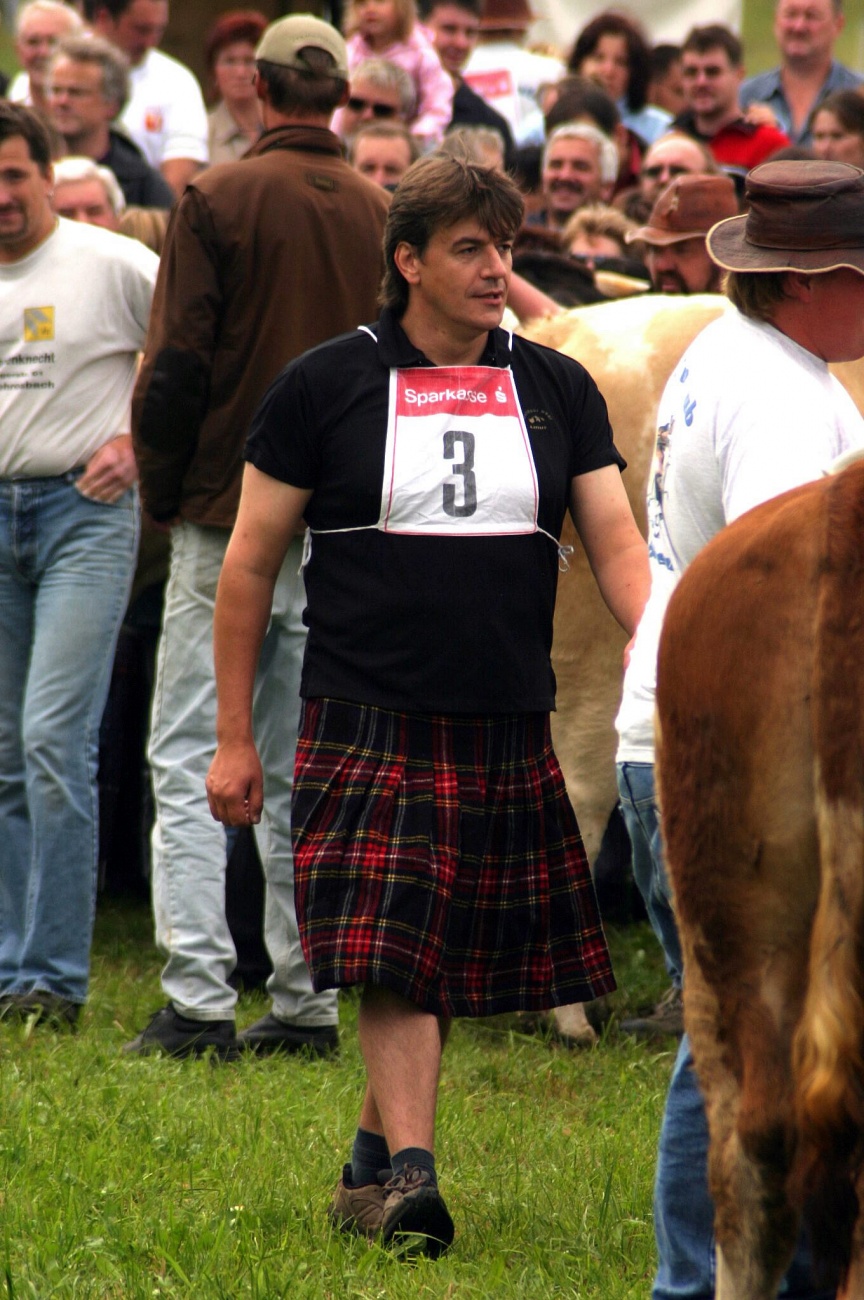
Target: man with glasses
pixel 675 154
pixel 88 85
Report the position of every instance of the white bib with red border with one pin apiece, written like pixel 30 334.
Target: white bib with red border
pixel 458 460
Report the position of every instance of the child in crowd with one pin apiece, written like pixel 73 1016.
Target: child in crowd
pixel 388 29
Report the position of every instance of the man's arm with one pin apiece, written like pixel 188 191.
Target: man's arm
pixel 172 391
pixel 269 515
pixel 615 548
pixel 178 172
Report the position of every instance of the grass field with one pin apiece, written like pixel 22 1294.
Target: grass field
pixel 136 1178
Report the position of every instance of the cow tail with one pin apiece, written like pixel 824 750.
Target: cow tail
pixel 827 1052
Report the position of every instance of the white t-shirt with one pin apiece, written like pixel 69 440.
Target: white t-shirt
pixel 165 114
pixel 19 90
pixel 747 414
pixel 73 318
pixel 508 78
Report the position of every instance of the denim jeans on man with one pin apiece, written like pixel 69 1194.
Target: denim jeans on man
pixel 66 567
pixel 683 1209
pixel 189 856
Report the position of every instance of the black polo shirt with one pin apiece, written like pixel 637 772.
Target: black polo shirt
pixel 431 624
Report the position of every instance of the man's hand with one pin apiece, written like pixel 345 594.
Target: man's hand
pixel 235 785
pixel 110 471
pixel 759 114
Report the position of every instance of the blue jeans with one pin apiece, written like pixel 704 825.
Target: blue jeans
pixel 683 1208
pixel 189 850
pixel 65 570
pixel 639 810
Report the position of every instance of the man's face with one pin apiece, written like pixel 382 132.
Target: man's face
pixel 368 103
pixel 382 159
pixel 711 83
pixel 684 267
pixel 668 91
pixel 75 99
pixel 459 284
pixel 454 35
pixel 25 212
pixel 664 161
pixel 806 29
pixel 37 41
pixel 837 311
pixel 138 29
pixel 571 178
pixel 85 201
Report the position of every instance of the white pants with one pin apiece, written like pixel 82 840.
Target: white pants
pixel 188 845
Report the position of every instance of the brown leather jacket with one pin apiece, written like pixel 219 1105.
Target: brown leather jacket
pixel 264 259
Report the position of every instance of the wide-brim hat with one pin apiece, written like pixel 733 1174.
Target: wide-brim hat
pixel 687 209
pixel 284 41
pixel 803 216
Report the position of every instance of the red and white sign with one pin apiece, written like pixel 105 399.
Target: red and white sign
pixel 458 459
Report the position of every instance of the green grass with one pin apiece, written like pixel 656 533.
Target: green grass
pixel 145 1178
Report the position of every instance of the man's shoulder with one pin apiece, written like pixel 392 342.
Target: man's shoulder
pixel 169 73
pixel 471 109
pixel 344 356
pixel 540 360
pixel 124 156
pixel 842 78
pixel 94 246
pixel 761 86
pixel 295 165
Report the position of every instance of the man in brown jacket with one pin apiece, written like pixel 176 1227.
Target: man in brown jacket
pixel 265 258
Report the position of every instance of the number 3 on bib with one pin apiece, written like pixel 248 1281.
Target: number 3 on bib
pixel 466 468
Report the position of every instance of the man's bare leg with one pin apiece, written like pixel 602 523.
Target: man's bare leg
pixel 401 1046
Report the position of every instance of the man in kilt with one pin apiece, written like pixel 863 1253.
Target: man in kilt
pixel 438 860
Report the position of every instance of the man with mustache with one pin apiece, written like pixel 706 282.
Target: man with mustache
pixel 675 234
pixel 580 165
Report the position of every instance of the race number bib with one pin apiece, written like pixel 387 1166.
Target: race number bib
pixel 458 459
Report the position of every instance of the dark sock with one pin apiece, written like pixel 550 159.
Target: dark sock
pixel 416 1156
pixel 368 1156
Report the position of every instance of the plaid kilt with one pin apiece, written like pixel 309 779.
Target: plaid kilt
pixel 440 857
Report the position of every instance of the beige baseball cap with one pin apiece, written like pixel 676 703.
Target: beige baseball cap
pixel 284 41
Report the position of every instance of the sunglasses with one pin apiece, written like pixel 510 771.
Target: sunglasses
pixel 654 173
pixel 378 110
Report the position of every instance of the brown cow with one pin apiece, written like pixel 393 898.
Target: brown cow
pixel 760 697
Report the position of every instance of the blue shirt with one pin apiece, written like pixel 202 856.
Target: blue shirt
pixel 767 88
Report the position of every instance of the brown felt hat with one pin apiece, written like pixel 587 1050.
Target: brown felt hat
pixel 687 208
pixel 803 216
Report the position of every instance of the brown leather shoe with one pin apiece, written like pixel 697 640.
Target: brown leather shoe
pixel 357 1209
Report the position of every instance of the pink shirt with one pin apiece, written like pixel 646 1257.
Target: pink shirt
pixel 416 56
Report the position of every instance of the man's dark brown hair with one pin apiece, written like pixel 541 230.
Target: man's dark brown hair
pixel 15 119
pixel 714 36
pixel 435 193
pixel 314 92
